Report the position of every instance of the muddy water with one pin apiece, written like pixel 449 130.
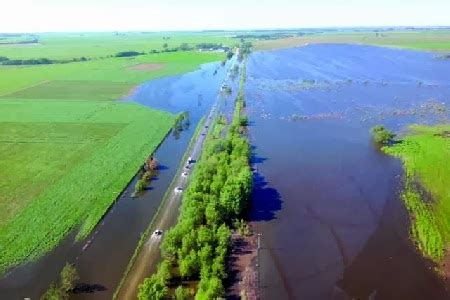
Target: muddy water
pixel 326 201
pixel 103 262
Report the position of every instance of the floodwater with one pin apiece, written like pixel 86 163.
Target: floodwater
pixel 112 244
pixel 326 201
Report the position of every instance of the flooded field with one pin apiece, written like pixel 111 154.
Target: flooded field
pixel 325 199
pixel 103 257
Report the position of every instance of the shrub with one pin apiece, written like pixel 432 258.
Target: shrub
pixel 128 53
pixel 69 276
pixel 182 293
pixel 54 292
pixel 34 61
pixel 140 186
pixel 381 135
pixel 243 121
pixel 148 175
pixel 242 227
pixel 185 47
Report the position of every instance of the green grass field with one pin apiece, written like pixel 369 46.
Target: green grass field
pixel 115 73
pixel 66 89
pixel 96 45
pixel 67 149
pixel 430 41
pixel 426 155
pixel 63 164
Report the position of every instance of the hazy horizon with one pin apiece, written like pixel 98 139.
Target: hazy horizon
pixel 34 16
pixel 233 30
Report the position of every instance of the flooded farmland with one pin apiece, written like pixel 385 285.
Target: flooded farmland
pixel 102 258
pixel 326 201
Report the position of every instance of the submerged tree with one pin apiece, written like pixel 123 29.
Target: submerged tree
pixel 140 186
pixel 69 276
pixel 381 135
pixel 54 292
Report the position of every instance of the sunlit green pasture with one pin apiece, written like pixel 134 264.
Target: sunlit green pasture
pixel 114 72
pixel 62 165
pixel 67 149
pixel 426 156
pixel 73 89
pixel 96 45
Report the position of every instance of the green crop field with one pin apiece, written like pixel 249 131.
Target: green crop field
pixel 426 40
pixel 67 149
pixel 426 155
pixel 96 45
pixel 63 164
pixel 116 73
pixel 66 89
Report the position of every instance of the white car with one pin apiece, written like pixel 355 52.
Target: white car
pixel 185 174
pixel 157 233
pixel 178 189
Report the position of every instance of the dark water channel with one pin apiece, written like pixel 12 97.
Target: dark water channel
pixel 326 200
pixel 103 262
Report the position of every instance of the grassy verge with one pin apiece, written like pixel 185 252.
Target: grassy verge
pixel 147 232
pixel 425 153
pixel 62 166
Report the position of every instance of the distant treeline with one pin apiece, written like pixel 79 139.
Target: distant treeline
pixel 182 47
pixel 210 46
pixel 130 53
pixel 37 61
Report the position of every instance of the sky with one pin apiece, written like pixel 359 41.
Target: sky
pixel 151 15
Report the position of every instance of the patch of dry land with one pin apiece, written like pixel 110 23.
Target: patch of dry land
pixel 146 67
pixel 438 40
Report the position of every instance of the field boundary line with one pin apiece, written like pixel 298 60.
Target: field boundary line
pixel 25 88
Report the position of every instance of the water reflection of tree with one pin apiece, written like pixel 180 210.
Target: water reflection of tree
pixel 182 123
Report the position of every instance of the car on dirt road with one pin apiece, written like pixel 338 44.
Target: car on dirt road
pixel 157 233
